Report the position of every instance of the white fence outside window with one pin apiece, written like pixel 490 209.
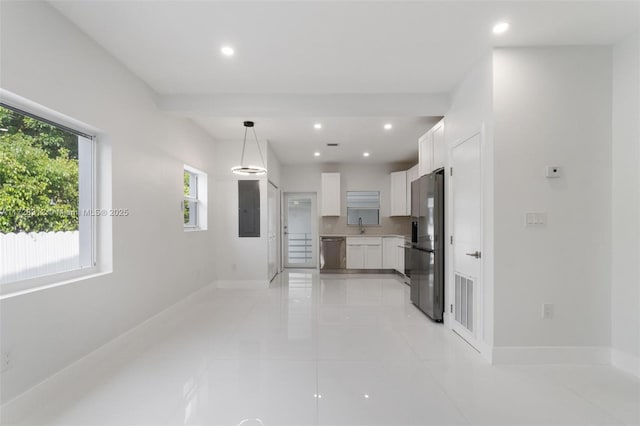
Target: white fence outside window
pixel 28 255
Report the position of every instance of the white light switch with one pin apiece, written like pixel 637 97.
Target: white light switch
pixel 535 218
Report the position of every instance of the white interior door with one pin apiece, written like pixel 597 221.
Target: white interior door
pixel 300 236
pixel 466 286
pixel 273 200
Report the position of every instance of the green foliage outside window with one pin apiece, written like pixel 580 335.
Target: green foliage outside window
pixel 187 192
pixel 38 176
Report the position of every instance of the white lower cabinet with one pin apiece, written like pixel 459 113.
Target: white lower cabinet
pixel 399 255
pixel 375 253
pixel 364 253
pixel 389 255
pixel 355 256
pixel 373 256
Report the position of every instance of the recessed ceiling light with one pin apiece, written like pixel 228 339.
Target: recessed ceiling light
pixel 317 154
pixel 227 51
pixel 500 27
pixel 317 126
pixel 365 154
pixel 388 126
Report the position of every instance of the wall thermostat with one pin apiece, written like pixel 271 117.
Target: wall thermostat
pixel 552 171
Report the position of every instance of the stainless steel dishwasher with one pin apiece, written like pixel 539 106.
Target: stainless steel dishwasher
pixel 333 254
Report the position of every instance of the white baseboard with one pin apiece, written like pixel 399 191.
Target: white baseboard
pixel 446 320
pixel 241 284
pixel 551 355
pixel 486 350
pixel 625 361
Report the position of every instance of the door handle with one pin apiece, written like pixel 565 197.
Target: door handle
pixel 475 254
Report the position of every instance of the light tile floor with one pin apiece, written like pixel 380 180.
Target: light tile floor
pixel 322 350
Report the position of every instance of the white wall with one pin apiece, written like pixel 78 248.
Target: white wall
pixel 552 106
pixel 240 261
pixel 274 168
pixel 625 267
pixel 353 177
pixel 155 263
pixel 471 112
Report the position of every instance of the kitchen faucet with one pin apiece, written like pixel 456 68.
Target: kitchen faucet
pixel 360 224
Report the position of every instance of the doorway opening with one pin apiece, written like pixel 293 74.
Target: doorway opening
pixel 299 230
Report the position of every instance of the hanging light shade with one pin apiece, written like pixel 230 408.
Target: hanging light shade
pixel 243 169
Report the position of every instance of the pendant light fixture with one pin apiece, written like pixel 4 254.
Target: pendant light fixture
pixel 249 170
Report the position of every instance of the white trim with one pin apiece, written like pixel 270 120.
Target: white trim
pixel 91 264
pixel 241 284
pixel 486 351
pixel 18 288
pixel 551 355
pixel 200 199
pixel 625 361
pixel 41 111
pixel 475 339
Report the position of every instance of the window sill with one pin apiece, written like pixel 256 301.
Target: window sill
pixel 20 288
pixel 194 229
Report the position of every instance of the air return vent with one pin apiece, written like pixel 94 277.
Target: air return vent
pixel 464 301
pixel 332 144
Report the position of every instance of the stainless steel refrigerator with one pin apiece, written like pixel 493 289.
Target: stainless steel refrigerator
pixel 427 242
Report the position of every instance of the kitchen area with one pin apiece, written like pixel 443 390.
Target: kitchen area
pixel 409 242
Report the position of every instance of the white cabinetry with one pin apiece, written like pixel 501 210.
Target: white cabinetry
pixel 373 256
pixel 355 256
pixel 364 253
pixel 412 174
pixel 393 253
pixel 389 253
pixel 398 194
pixel 432 150
pixel 399 251
pixel 439 146
pixel 330 194
pixel 425 153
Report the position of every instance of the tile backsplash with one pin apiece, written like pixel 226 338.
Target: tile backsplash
pixel 389 226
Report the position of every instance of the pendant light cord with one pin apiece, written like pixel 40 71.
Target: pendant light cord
pixel 244 144
pixel 258 144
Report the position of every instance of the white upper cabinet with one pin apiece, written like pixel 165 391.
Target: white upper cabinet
pixel 432 150
pixel 439 146
pixel 398 194
pixel 425 153
pixel 330 194
pixel 412 174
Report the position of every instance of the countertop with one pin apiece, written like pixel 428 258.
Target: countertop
pixel 364 235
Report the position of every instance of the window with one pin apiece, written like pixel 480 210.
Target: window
pixel 363 206
pixel 194 199
pixel 47 216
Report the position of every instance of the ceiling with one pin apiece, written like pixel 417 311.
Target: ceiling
pixel 329 48
pixel 294 140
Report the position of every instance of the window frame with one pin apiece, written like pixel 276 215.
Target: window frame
pixel 364 208
pixel 88 237
pixel 197 179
